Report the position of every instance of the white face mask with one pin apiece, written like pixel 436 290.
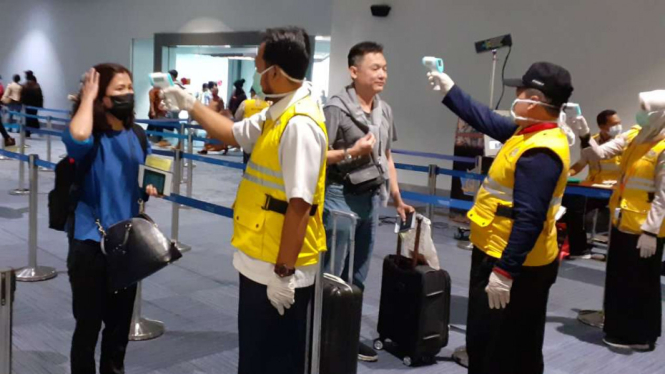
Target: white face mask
pixel 615 130
pixel 532 120
pixel 561 122
pixel 259 89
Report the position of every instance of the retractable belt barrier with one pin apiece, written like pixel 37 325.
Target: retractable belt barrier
pixel 433 170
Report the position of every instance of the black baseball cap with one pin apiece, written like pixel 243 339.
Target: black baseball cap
pixel 551 79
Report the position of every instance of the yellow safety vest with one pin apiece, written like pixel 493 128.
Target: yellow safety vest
pixel 253 106
pixel 631 200
pixel 491 222
pixel 257 232
pixel 604 170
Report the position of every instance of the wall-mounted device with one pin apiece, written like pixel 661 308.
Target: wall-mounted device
pixel 380 10
pixel 494 43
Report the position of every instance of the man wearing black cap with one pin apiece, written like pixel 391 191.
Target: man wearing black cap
pixel 514 261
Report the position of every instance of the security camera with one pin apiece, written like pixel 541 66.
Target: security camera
pixel 380 10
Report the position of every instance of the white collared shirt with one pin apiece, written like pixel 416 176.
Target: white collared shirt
pixel 302 153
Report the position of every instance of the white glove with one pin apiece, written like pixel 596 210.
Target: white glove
pixel 647 245
pixel 579 125
pixel 176 98
pixel 498 291
pixel 440 82
pixel 281 292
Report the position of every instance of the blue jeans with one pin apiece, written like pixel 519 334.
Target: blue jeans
pixel 365 206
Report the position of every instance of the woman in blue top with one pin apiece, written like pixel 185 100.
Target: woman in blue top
pixel 103 114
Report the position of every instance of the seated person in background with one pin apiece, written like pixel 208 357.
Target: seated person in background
pixel 600 172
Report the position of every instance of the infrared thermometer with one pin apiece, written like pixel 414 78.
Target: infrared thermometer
pixel 161 80
pixel 575 106
pixel 434 65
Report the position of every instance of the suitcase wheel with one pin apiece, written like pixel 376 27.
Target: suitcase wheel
pixel 407 361
pixel 378 344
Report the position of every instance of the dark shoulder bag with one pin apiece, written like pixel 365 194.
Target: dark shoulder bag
pixel 135 248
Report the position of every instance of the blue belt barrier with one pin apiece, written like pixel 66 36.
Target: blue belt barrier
pixel 17 156
pixel 12 125
pixel 437 200
pixel 160 122
pixel 588 192
pixel 45 164
pixel 469 160
pixel 46 132
pixel 166 134
pixel 460 174
pixel 419 168
pixel 214 161
pixel 64 120
pixel 163 153
pixel 206 140
pixel 201 205
pixel 49 110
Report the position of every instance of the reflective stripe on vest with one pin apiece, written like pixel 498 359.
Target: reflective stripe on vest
pixel 491 227
pixel 506 194
pixel 633 197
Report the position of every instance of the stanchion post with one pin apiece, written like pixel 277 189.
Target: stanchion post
pixel 181 148
pixel 190 163
pixel 33 272
pixel 21 190
pixel 7 289
pixel 431 187
pixel 49 126
pixel 143 328
pixel 175 213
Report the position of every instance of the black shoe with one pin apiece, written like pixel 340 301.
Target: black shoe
pixel 10 142
pixel 367 354
pixel 620 344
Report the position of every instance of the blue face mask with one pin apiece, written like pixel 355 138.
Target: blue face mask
pixel 642 118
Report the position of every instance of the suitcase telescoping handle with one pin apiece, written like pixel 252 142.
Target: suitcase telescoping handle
pixel 353 218
pixel 416 247
pixel 315 364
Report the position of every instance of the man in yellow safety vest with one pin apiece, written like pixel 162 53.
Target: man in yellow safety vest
pixel 278 228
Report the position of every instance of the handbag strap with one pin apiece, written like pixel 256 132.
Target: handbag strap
pixel 416 249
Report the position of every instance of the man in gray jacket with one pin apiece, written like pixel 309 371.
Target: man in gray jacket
pixel 361 171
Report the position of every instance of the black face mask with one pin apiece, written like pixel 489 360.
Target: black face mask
pixel 123 106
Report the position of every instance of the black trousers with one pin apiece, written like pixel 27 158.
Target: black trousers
pixel 510 340
pixel 632 291
pixel 31 122
pixel 3 131
pixel 270 343
pixel 94 304
pixel 576 209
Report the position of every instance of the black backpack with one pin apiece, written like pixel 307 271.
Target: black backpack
pixel 69 175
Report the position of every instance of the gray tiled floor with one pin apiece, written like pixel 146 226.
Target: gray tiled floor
pixel 197 297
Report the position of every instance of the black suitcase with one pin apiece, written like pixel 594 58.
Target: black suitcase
pixel 415 308
pixel 340 317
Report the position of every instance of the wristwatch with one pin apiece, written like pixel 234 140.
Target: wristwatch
pixel 347 155
pixel 284 271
